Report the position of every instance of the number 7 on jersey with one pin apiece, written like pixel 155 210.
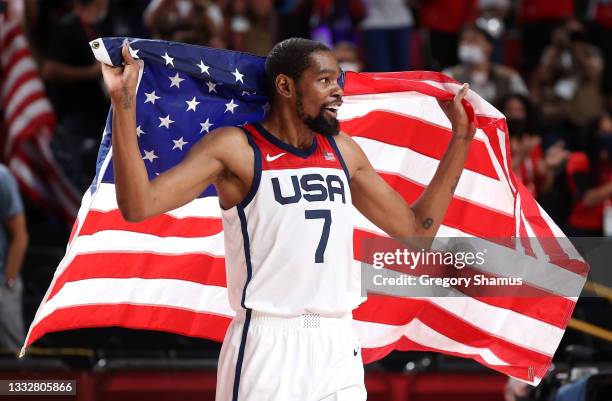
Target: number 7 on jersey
pixel 326 216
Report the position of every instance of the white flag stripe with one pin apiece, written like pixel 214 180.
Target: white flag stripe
pixel 23 66
pixel 25 90
pixel 563 241
pixel 126 241
pixel 59 191
pixel 410 104
pixel 537 272
pixel 35 108
pixel 375 335
pixel 153 292
pixel 502 324
pixel 473 187
pixel 16 44
pixel 501 137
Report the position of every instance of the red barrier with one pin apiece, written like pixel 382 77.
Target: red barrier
pixel 199 385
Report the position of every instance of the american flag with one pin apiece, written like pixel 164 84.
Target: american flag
pixel 167 272
pixel 27 126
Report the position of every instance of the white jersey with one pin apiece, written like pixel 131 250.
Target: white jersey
pixel 289 243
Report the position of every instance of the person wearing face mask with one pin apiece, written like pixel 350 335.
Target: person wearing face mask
pixel 589 177
pixel 491 81
pixel 348 56
pixel 534 167
pixel 74 86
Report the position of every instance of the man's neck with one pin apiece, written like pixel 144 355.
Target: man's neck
pixel 288 128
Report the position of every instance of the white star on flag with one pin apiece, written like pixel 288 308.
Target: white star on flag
pixel 169 60
pixel 203 67
pixel 192 104
pixel 165 122
pixel 230 106
pixel 178 143
pixel 211 86
pixel 139 131
pixel 176 80
pixel 238 75
pixel 151 97
pixel 206 125
pixel 133 52
pixel 150 155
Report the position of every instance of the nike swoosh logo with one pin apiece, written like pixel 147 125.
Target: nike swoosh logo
pixel 272 158
pixel 355 351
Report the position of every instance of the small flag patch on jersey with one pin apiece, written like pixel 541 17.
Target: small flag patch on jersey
pixel 328 156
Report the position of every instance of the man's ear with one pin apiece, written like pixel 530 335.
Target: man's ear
pixel 285 85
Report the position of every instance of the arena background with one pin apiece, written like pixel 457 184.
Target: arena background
pixel 545 64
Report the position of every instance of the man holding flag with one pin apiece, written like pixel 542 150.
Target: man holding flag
pixel 285 187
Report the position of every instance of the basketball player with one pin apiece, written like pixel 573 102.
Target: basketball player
pixel 286 186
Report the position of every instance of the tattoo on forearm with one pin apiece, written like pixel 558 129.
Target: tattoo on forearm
pixel 427 223
pixel 126 98
pixel 454 186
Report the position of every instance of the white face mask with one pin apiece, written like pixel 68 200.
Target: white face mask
pixel 471 54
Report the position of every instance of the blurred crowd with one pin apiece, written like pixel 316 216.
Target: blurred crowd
pixel 545 64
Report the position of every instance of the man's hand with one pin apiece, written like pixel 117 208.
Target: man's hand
pixel 121 81
pixel 463 128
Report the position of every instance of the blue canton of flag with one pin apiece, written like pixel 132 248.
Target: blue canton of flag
pixel 185 92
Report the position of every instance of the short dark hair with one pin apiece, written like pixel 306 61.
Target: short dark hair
pixel 290 57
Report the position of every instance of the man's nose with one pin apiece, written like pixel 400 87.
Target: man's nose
pixel 338 90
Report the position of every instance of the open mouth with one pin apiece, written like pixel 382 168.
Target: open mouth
pixel 332 110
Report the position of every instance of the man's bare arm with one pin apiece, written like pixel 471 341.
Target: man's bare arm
pixel 382 205
pixel 137 197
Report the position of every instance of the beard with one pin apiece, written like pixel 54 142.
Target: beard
pixel 319 123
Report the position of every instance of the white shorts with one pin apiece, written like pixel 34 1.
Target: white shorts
pixel 306 358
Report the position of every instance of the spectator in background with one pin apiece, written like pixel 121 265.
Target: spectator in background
pixel 253 26
pixel 444 20
pixel 602 18
pixel 41 17
pixel 13 245
pixel 491 81
pixel 199 22
pixel 293 18
pixel 567 83
pixel 531 166
pixel 539 18
pixel 125 19
pixel 73 79
pixel 589 177
pixel 333 21
pixel 491 17
pixel 347 55
pixel 386 35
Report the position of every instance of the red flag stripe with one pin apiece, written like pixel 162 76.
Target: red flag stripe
pixel 471 218
pixel 396 311
pixel 416 134
pixel 162 226
pixel 199 268
pixel 173 320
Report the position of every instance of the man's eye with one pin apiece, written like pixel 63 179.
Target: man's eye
pixel 324 80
